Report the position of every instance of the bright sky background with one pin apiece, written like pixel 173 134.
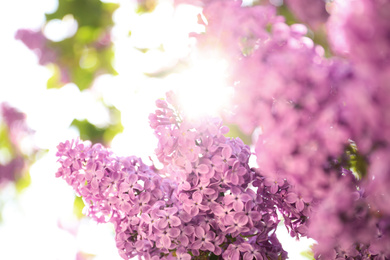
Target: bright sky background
pixel 30 228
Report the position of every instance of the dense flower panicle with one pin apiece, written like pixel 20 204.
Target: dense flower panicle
pixel 366 44
pixel 363 223
pixel 308 109
pixel 322 147
pixel 206 199
pixel 214 183
pixel 284 77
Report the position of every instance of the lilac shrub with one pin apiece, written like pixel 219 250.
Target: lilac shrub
pixel 205 201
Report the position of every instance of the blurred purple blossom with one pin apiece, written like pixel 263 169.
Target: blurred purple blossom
pixel 311 12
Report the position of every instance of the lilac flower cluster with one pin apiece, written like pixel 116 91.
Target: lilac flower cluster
pixel 366 45
pixel 322 147
pixel 362 225
pixel 205 201
pixel 354 228
pixel 361 33
pixel 115 189
pixel 284 77
pixel 312 111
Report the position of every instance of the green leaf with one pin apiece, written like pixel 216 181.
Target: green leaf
pixel 308 254
pixel 23 182
pixel 115 127
pixel 83 78
pixel 78 206
pixel 234 131
pixel 89 131
pixel 55 80
pixel 89 52
pixel 92 13
pixel 146 6
pixel 285 12
pixel 357 162
pixel 87 34
pixel 95 134
pixel 5 142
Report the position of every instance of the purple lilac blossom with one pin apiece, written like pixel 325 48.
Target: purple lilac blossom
pixel 309 109
pixel 361 35
pixel 354 226
pixel 285 78
pixel 311 12
pixel 358 29
pixel 182 210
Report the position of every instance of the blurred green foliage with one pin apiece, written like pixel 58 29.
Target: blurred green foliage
pixel 146 6
pixel 286 13
pixel 92 13
pixel 308 254
pixel 89 131
pixel 357 163
pixel 5 142
pixel 23 182
pixel 78 206
pixel 88 53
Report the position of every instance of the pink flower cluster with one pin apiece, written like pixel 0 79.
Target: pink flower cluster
pixel 317 118
pixel 205 201
pixel 285 87
pixel 322 146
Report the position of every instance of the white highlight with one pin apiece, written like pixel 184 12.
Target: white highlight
pixel 58 30
pixel 203 90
